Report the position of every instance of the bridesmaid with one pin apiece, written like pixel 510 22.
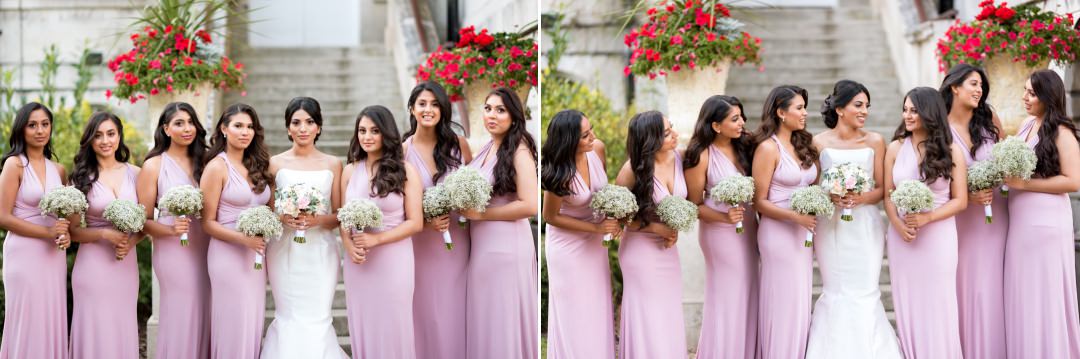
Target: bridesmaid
pixel 184 312
pixel 980 271
pixel 501 306
pixel 104 279
pixel 379 283
pixel 784 161
pixel 580 323
pixel 723 148
pixel 236 177
pixel 433 148
pixel 651 319
pixel 35 272
pixel 922 247
pixel 1040 278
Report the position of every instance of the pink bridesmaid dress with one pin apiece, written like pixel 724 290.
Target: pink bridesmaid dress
pixel 237 289
pixel 35 278
pixel 580 323
pixel 105 290
pixel 923 274
pixel 1040 274
pixel 184 311
pixel 980 271
pixel 439 295
pixel 379 292
pixel 787 267
pixel 501 309
pixel 730 317
pixel 651 320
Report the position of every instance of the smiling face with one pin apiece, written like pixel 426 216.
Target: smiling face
pixel 497 119
pixel 732 125
pixel 38 130
pixel 106 139
pixel 180 129
pixel 1032 105
pixel 671 138
pixel 793 117
pixel 856 111
pixel 240 131
pixel 969 92
pixel 302 128
pixel 426 110
pixel 912 120
pixel 369 135
pixel 585 141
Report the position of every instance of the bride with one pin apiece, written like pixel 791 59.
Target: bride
pixel 849 320
pixel 303 276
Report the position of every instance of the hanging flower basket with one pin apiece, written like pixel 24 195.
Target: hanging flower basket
pixel 501 59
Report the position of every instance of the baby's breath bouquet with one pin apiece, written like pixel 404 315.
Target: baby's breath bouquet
pixel 467 189
pixel 64 201
pixel 182 201
pixel 126 216
pixel 733 190
pixel 1014 158
pixel 615 202
pixel 299 198
pixel 677 213
pixel 359 214
pixel 912 196
pixel 259 222
pixel 981 176
pixel 814 201
pixel 847 178
pixel 437 204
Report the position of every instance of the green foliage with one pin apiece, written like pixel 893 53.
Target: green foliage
pixel 609 124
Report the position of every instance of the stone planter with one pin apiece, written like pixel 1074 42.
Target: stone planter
pixel 687 89
pixel 1007 79
pixel 475 94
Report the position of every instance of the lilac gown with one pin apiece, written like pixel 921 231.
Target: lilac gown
pixel 651 322
pixel 35 276
pixel 105 290
pixel 730 316
pixel 923 274
pixel 980 271
pixel 1040 275
pixel 184 312
pixel 439 295
pixel 580 323
pixel 237 289
pixel 379 292
pixel 501 308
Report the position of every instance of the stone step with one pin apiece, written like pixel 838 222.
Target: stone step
pixel 314 52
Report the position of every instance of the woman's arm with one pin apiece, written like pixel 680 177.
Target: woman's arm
pixel 696 180
pixel 10 179
pixel 525 204
pixel 1068 158
pixel 414 215
pixel 146 185
pixel 958 194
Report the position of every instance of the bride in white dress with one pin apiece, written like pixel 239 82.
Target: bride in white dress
pixel 849 319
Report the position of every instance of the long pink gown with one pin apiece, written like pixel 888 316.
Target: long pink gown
pixel 184 312
pixel 439 296
pixel 1041 319
pixel 379 292
pixel 980 271
pixel 105 290
pixel 237 289
pixel 787 267
pixel 580 323
pixel 730 317
pixel 35 276
pixel 501 310
pixel 651 321
pixel 923 274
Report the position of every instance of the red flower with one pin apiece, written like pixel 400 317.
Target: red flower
pixel 650 12
pixel 1004 13
pixel 704 20
pixel 710 37
pixel 723 10
pixel 676 68
pixel 108 94
pixel 134 37
pixel 515 52
pixel 514 67
pixel 467 34
pixel 630 37
pixel 202 34
pixel 483 39
pixel 156 64
pixel 1036 41
pixel 626 71
pixel 187 61
pixel 168 88
pixel 154 91
pixel 985 13
pixel 168 29
pixel 676 40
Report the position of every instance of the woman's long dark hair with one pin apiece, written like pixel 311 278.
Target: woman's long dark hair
pixel 802 140
pixel 195 151
pixel 644 139
pixel 447 147
pixel 86 164
pixel 17 139
pixel 517 134
pixel 1050 90
pixel 256 157
pixel 309 105
pixel 937 161
pixel 558 153
pixel 716 109
pixel 981 127
pixel 390 176
pixel 843 93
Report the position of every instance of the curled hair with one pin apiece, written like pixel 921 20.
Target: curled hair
pixel 17 139
pixel 716 109
pixel 309 105
pixel 843 93
pixel 516 135
pixel 195 151
pixel 447 152
pixel 1050 90
pixel 981 127
pixel 86 165
pixel 256 157
pixel 390 177
pixel 558 153
pixel 937 161
pixel 802 140
pixel 643 141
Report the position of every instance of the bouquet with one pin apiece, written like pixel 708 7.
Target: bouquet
pixel 844 179
pixel 359 214
pixel 814 201
pixel 467 189
pixel 182 201
pixel 912 196
pixel 437 204
pixel 62 202
pixel 1014 158
pixel 677 213
pixel 616 202
pixel 733 190
pixel 984 175
pixel 126 216
pixel 258 222
pixel 299 198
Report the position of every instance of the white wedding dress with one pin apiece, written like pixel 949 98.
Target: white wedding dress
pixel 303 277
pixel 849 320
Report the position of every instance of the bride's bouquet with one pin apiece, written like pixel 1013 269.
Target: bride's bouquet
pixel 437 204
pixel 182 201
pixel 677 213
pixel 615 202
pixel 126 216
pixel 981 176
pixel 299 198
pixel 259 222
pixel 912 196
pixel 733 190
pixel 64 201
pixel 1014 158
pixel 814 201
pixel 847 178
pixel 467 189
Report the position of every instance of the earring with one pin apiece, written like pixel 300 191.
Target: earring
pixel 224 136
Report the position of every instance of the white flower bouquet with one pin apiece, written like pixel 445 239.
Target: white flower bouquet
pixel 64 201
pixel 912 196
pixel 467 189
pixel 182 201
pixel 981 176
pixel 615 202
pixel 437 204
pixel 299 198
pixel 733 190
pixel 847 178
pixel 127 216
pixel 677 213
pixel 814 201
pixel 258 221
pixel 1014 158
pixel 359 214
